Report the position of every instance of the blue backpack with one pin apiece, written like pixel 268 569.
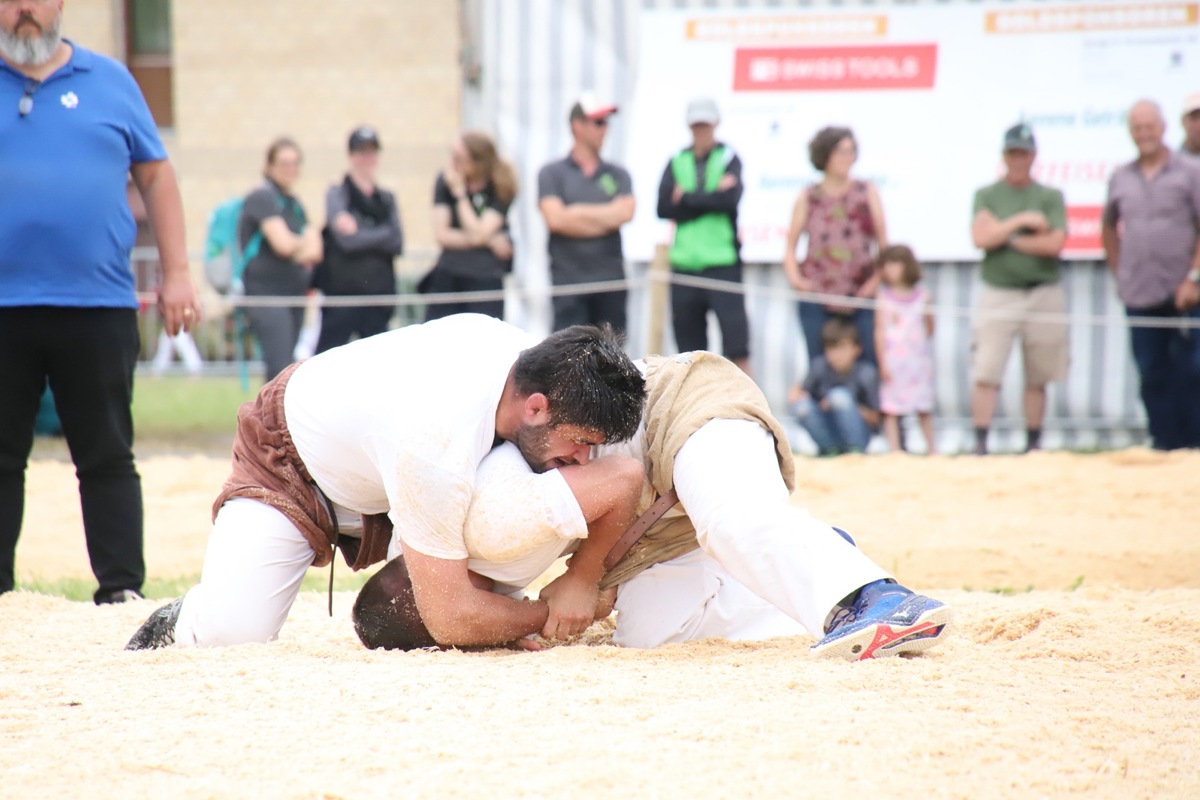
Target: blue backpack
pixel 224 263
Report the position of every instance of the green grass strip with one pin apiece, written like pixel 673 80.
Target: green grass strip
pixel 82 589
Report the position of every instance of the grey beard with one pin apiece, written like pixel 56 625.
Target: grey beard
pixel 31 51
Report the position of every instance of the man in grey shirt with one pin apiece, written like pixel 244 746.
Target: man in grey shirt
pixel 1151 236
pixel 585 201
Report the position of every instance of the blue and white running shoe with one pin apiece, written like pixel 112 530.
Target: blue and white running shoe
pixel 884 620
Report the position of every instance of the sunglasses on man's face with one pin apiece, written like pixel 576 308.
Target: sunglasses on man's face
pixel 601 123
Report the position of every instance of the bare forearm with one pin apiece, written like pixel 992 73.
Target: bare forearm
pixel 587 565
pixel 454 239
pixel 576 222
pixel 477 229
pixel 791 265
pixel 991 233
pixel 589 219
pixel 1112 246
pixel 1048 244
pixel 164 207
pixel 491 619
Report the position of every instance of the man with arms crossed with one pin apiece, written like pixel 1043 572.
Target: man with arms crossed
pixel 743 563
pixel 585 200
pixel 372 448
pixel 700 191
pixel 1021 226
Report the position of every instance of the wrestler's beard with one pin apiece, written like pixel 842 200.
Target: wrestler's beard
pixel 31 51
pixel 533 442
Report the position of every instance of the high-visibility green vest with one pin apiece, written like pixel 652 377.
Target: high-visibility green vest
pixel 710 240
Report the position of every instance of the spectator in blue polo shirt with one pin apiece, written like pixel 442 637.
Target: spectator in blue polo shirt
pixel 74 126
pixel 585 201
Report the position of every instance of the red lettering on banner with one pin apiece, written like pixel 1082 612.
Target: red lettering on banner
pixel 1083 229
pixel 783 69
pixel 1058 173
pixel 762 234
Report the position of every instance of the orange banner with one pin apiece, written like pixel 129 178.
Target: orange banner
pixel 1063 19
pixel 789 27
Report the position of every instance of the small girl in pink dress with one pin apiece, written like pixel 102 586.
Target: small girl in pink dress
pixel 903 344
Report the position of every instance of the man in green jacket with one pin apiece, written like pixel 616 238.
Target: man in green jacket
pixel 700 191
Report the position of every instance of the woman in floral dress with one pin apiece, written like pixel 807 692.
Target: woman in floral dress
pixel 843 220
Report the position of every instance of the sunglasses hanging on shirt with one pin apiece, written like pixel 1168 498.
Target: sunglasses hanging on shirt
pixel 25 104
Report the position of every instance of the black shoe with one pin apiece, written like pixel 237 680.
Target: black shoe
pixel 117 596
pixel 159 628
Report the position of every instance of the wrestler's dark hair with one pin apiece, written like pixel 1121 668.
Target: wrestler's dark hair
pixel 823 144
pixel 588 378
pixel 385 612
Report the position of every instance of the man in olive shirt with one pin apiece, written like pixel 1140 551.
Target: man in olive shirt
pixel 1021 226
pixel 1151 234
pixel 585 200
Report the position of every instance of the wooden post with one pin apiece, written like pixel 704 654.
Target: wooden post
pixel 657 297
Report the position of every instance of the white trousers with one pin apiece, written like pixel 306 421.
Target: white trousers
pixel 765 568
pixel 253 567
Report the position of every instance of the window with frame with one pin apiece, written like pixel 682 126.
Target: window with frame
pixel 148 54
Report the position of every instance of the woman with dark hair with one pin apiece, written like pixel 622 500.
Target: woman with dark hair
pixel 843 219
pixel 274 228
pixel 471 198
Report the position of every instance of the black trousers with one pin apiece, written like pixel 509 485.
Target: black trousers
pixel 590 309
pixel 88 355
pixel 441 280
pixel 339 323
pixel 278 330
pixel 689 313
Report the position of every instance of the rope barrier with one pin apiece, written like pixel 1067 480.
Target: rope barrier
pixel 596 287
pixel 1098 320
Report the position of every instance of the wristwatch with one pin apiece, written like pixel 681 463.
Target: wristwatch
pixel 1194 275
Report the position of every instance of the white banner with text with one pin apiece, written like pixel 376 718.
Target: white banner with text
pixel 928 93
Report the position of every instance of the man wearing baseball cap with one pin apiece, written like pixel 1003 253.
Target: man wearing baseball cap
pixel 585 200
pixel 1021 226
pixel 1191 125
pixel 700 191
pixel 362 239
